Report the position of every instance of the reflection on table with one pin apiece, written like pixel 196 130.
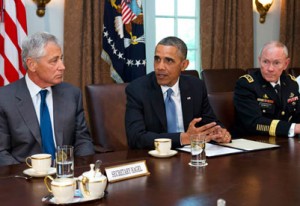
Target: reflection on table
pixel 267 177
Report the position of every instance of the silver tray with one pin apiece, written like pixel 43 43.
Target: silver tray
pixel 78 198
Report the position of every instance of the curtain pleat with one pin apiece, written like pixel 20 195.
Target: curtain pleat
pixel 290 29
pixel 226 34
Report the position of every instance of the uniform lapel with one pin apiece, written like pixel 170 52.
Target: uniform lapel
pixel 27 111
pixel 269 90
pixel 284 92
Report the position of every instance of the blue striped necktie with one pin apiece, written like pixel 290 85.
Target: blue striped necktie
pixel 171 112
pixel 45 126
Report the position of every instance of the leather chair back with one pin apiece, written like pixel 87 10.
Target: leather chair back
pixel 221 80
pixel 191 73
pixel 252 70
pixel 295 71
pixel 223 106
pixel 106 105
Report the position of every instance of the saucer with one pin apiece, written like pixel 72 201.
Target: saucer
pixel 154 153
pixel 32 173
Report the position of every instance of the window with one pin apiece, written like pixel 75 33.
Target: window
pixel 173 18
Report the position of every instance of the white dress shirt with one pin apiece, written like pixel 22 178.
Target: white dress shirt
pixel 36 99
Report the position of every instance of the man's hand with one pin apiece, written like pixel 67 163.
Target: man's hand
pixel 297 129
pixel 221 135
pixel 211 130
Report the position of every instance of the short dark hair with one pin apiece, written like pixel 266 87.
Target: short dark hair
pixel 176 42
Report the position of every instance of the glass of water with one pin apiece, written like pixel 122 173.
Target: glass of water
pixel 64 161
pixel 198 150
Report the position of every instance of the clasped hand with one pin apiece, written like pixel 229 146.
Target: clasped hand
pixel 211 130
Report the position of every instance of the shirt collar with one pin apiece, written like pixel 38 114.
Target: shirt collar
pixel 274 83
pixel 175 88
pixel 33 88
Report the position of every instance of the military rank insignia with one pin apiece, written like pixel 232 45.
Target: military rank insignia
pixel 248 77
pixel 270 101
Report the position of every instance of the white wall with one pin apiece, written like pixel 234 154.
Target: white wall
pixel 53 22
pixel 267 31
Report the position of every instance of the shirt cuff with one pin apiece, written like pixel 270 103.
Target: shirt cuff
pixel 292 130
pixel 180 138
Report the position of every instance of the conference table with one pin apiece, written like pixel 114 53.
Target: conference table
pixel 265 177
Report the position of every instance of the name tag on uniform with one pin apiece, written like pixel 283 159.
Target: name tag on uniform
pixel 265 105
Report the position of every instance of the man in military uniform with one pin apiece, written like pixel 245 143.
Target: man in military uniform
pixel 267 101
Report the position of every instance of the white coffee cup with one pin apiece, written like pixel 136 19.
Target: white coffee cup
pixel 63 189
pixel 163 145
pixel 40 163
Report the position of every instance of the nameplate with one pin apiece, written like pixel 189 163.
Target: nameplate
pixel 126 171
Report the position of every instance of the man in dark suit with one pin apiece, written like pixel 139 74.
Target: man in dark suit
pixel 267 101
pixel 20 133
pixel 146 114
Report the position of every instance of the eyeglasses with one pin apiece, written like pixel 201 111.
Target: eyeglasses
pixel 275 64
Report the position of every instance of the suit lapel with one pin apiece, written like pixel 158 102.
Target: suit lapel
pixel 186 102
pixel 157 102
pixel 27 111
pixel 58 113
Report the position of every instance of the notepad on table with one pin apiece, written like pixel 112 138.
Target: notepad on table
pixel 213 150
pixel 248 145
pixel 236 146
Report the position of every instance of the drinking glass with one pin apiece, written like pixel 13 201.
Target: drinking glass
pixel 198 150
pixel 64 161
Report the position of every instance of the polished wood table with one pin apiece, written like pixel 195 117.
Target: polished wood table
pixel 267 177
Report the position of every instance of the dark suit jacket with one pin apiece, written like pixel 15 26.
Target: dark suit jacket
pixel 258 108
pixel 19 127
pixel 145 116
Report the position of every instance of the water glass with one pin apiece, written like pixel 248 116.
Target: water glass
pixel 64 161
pixel 198 150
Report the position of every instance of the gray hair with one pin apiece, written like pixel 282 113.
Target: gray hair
pixel 176 42
pixel 33 46
pixel 275 44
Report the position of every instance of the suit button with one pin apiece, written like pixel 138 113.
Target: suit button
pixel 264 111
pixel 282 113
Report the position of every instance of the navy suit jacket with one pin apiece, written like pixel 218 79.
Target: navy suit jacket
pixel 19 127
pixel 145 117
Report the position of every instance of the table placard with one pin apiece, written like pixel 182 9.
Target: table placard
pixel 126 171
